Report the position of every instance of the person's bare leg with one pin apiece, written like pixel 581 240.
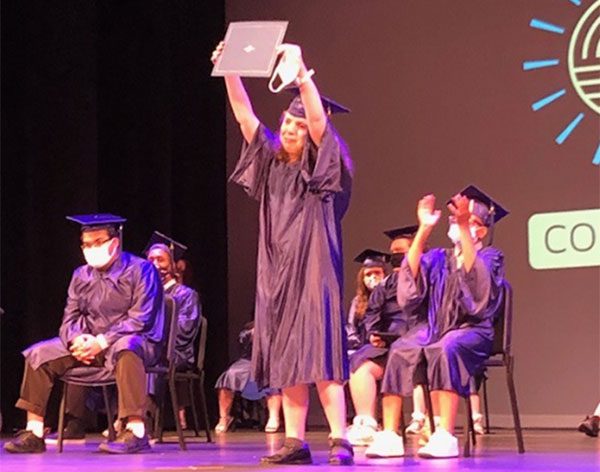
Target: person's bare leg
pixel 448 405
pixel 182 418
pixel 392 410
pixel 419 400
pixel 332 398
pixel 363 388
pixel 225 402
pixel 475 404
pixel 295 410
pixel 274 408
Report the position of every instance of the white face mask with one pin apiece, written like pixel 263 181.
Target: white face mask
pixel 454 233
pixel 371 281
pixel 99 256
pixel 287 69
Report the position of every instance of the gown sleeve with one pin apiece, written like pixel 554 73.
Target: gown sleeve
pixel 188 319
pixel 373 318
pixel 252 168
pixel 147 300
pixel 322 166
pixel 482 284
pixel 353 331
pixel 411 291
pixel 73 322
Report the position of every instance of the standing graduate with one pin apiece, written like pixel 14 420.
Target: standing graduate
pixel 301 176
pixel 461 290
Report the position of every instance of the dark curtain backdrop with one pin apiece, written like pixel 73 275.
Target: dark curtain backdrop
pixel 107 106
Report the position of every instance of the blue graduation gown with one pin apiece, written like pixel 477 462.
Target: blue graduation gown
pixel 461 309
pixel 384 314
pixel 189 311
pixel 124 303
pixel 300 336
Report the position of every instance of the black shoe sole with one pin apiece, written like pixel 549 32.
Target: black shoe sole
pixel 301 461
pixel 104 447
pixel 338 461
pixel 21 451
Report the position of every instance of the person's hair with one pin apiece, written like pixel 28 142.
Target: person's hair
pixel 183 272
pixel 362 295
pixel 113 231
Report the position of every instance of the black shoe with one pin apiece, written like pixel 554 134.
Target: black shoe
pixel 126 443
pixel 590 426
pixel 25 442
pixel 293 451
pixel 74 433
pixel 340 452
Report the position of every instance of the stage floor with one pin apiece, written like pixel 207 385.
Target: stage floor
pixel 547 451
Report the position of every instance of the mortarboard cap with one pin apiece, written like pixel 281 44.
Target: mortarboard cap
pixel 372 258
pixel 98 221
pixel 489 211
pixel 296 107
pixel 403 232
pixel 175 248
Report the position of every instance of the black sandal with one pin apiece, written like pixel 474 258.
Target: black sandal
pixel 340 452
pixel 293 451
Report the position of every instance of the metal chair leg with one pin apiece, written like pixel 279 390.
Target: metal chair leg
pixel 112 435
pixel 190 383
pixel 514 405
pixel 61 417
pixel 175 406
pixel 429 406
pixel 403 423
pixel 486 410
pixel 204 408
pixel 468 427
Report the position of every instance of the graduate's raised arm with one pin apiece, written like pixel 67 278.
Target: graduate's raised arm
pixel 428 218
pixel 316 118
pixel 459 208
pixel 239 100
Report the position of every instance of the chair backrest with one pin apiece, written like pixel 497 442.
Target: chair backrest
pixel 169 332
pixel 202 334
pixel 503 323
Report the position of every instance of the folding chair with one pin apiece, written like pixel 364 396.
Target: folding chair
pixel 79 376
pixel 191 376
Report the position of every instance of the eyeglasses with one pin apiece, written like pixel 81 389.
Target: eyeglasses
pixel 95 243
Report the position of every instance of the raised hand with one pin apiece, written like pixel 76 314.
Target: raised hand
pixel 427 215
pixel 460 209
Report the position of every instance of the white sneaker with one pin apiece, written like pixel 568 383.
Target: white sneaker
pixel 441 445
pixel 362 431
pixel 478 424
pixel 386 444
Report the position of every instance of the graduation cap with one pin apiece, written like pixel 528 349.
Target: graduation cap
pixel 482 206
pixel 372 258
pixel 403 232
pixel 98 221
pixel 296 107
pixel 175 249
